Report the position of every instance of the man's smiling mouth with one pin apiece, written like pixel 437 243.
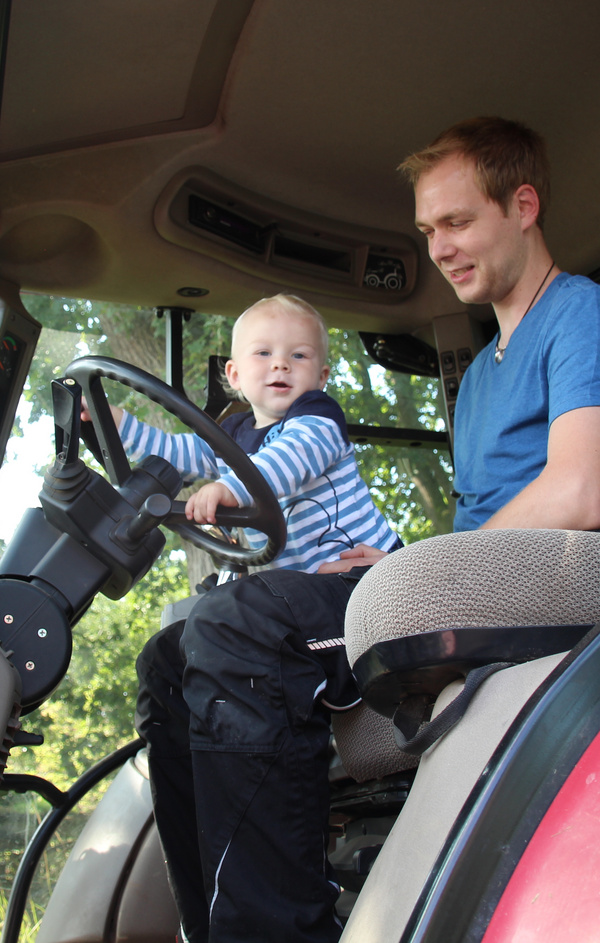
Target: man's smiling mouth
pixel 458 273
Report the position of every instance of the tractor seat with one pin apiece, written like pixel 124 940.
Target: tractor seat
pixel 430 612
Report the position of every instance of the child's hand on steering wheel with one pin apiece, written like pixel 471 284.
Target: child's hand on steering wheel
pixel 202 506
pixel 86 416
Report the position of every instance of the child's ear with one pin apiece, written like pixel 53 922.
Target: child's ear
pixel 231 372
pixel 325 371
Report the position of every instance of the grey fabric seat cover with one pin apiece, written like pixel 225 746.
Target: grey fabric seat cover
pixel 478 578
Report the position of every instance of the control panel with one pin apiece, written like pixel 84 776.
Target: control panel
pixel 459 338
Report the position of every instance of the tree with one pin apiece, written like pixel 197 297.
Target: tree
pixel 410 485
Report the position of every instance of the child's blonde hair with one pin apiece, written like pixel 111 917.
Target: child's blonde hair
pixel 293 305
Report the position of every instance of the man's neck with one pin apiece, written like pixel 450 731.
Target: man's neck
pixel 538 274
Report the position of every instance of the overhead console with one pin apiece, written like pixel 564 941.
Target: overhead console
pixel 214 217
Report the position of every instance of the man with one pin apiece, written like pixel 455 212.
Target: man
pixel 481 192
pixel 257 689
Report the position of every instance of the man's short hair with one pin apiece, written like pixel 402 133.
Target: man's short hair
pixel 506 155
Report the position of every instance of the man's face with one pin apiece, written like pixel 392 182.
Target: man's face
pixel 478 248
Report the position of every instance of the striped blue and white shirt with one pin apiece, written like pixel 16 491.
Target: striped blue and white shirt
pixel 309 463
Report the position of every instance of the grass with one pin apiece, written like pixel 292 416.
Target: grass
pixel 31 918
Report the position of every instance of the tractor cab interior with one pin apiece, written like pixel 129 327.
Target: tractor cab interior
pixel 180 160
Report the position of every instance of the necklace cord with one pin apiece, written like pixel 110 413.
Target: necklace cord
pixel 500 350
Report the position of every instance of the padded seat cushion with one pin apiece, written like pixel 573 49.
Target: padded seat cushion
pixel 365 742
pixel 524 584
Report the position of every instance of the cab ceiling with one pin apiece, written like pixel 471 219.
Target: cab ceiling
pixel 304 106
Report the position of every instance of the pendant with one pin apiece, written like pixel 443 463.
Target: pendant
pixel 499 354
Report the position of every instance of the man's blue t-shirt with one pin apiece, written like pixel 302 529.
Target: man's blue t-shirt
pixel 550 366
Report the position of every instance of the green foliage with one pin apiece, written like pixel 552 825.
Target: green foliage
pixel 409 484
pixel 76 327
pixel 70 329
pixel 32 918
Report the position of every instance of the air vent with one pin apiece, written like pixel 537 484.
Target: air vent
pixel 308 253
pixel 212 218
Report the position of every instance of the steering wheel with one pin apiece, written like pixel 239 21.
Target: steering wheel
pixel 265 516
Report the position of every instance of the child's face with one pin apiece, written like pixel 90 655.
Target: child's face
pixel 277 356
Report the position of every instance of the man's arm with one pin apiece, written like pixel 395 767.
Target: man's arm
pixel 566 495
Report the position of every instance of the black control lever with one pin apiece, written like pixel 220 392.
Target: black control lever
pixel 66 401
pixel 152 513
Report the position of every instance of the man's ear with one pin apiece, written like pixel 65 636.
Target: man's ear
pixel 325 371
pixel 231 372
pixel 528 205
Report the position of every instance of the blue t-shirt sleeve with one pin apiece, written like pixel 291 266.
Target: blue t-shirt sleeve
pixel 572 349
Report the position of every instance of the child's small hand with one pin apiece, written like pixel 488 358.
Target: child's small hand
pixel 85 413
pixel 201 506
pixel 361 555
pixel 86 416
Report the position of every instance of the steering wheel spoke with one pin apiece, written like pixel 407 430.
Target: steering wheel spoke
pixel 111 448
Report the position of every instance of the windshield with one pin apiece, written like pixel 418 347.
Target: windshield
pixel 410 483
